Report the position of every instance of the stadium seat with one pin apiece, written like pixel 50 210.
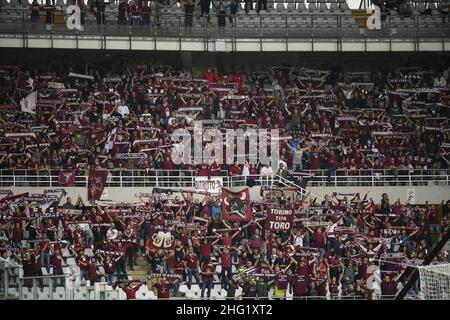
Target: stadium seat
pixel 291 6
pixel 312 6
pixel 334 8
pixel 322 5
pixel 80 293
pixel 183 288
pixel 43 294
pixel 27 294
pixel 281 7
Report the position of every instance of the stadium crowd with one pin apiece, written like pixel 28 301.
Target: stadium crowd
pixel 119 117
pixel 330 250
pixel 146 13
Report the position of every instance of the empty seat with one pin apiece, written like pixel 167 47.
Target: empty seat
pixel 291 6
pixel 312 6
pixel 322 5
pixel 59 294
pixel 343 5
pixel 281 7
pixel 334 6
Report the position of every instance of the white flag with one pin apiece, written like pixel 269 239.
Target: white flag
pixel 111 138
pixel 28 104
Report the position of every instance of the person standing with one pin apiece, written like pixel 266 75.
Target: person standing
pixel 248 5
pixel 49 14
pixel 123 13
pixel 188 15
pixel 261 4
pixel 191 264
pixel 225 261
pixel 34 13
pixel 204 8
pixel 221 19
pixel 208 270
pixel 98 8
pixel 234 6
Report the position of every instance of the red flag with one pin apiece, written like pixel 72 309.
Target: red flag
pixel 14 198
pixel 24 82
pixel 236 206
pixel 96 184
pixel 66 178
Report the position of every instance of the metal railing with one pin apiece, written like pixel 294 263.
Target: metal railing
pixel 126 178
pixel 375 177
pixel 279 25
pixel 64 287
pixel 188 178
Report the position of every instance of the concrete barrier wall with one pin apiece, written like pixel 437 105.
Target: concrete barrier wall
pixel 432 194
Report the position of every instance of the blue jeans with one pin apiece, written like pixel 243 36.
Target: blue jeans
pixel 297 166
pixel 60 280
pixel 190 273
pixel 215 213
pixel 207 285
pixel 18 245
pixel 121 269
pixel 176 287
pixel 434 228
pixel 110 279
pixel 45 260
pixel 84 274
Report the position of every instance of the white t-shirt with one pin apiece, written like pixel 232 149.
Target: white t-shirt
pixel 298 241
pixel 123 110
pixel 111 234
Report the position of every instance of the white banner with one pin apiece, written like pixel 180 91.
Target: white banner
pixel 28 104
pixel 411 195
pixel 212 184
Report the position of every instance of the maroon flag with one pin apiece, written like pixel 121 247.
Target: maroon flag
pixel 24 82
pixel 236 205
pixel 67 178
pixel 279 219
pixel 96 184
pixel 14 198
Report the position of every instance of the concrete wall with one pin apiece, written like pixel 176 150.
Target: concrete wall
pixel 432 194
pixel 224 45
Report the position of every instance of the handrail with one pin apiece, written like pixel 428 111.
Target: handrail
pixel 313 173
pixel 188 178
pixel 311 29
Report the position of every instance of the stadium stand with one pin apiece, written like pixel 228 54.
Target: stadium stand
pixel 85 120
pixel 325 17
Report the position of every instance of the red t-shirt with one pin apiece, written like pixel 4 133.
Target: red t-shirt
pixel 226 241
pixel 208 277
pixel 191 260
pixel 131 292
pixel 57 262
pixel 319 239
pixel 92 269
pixel 299 286
pixel 388 288
pixel 109 267
pixel 225 260
pixel 205 250
pixel 281 280
pixel 163 290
